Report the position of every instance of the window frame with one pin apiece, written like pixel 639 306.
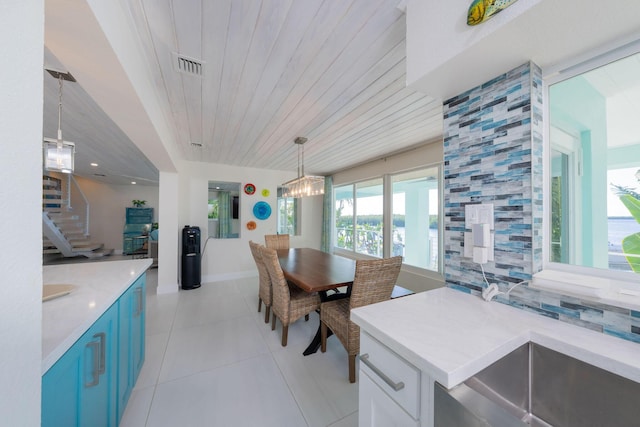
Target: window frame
pixel 354 193
pixel 387 190
pixel 611 280
pixel 297 212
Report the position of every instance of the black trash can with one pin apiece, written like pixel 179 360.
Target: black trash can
pixel 190 257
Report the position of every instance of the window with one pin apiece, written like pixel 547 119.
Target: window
pixel 359 217
pixel 415 217
pixel 369 218
pixel 595 167
pixel 413 228
pixel 288 215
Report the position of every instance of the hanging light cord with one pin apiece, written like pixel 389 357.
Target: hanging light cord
pixel 60 108
pixel 299 175
pixel 302 167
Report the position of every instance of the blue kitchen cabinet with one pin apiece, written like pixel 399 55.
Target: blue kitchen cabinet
pixel 131 352
pixel 80 389
pixel 91 383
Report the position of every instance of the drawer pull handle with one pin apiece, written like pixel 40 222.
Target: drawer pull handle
pixel 138 296
pixel 103 349
pixel 396 386
pixel 95 364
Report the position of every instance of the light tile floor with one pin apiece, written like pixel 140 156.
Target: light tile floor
pixel 212 361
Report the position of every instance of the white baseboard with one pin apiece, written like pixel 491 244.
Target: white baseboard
pixel 167 289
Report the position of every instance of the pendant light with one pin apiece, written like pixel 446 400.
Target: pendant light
pixel 303 185
pixel 58 153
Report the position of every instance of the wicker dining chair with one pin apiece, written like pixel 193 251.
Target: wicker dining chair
pixel 289 302
pixel 265 293
pixel 276 241
pixel 373 282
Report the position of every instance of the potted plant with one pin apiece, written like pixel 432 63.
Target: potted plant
pixel 139 203
pixel 631 244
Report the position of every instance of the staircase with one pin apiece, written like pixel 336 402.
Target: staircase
pixel 65 230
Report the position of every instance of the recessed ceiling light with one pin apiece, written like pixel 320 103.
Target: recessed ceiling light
pixel 133 182
pixel 94 165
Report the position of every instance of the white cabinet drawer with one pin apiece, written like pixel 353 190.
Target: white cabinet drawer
pixel 398 378
pixel 376 409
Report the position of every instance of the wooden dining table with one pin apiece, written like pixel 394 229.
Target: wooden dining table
pixel 315 271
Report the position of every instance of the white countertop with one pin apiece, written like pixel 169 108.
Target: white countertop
pixel 452 335
pixel 97 286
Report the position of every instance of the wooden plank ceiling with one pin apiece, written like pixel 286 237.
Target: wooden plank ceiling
pixel 331 71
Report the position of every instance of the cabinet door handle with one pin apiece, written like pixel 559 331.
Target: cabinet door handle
pixel 396 386
pixel 138 293
pixel 102 363
pixel 95 364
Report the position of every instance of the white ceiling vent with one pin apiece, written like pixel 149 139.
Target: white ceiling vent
pixel 184 64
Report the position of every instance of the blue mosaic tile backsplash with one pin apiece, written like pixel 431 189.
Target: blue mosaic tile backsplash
pixel 493 148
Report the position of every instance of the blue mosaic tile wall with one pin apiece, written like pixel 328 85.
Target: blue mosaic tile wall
pixel 493 148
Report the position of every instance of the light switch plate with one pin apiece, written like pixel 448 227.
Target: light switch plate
pixel 470 216
pixel 485 214
pixel 476 214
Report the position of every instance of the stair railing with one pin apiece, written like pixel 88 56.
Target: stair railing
pixel 79 202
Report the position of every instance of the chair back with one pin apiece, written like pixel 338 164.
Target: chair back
pixel 374 280
pixel 276 241
pixel 263 274
pixel 281 295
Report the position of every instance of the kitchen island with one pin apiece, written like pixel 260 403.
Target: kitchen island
pixel 92 341
pixel 447 336
pixel 97 286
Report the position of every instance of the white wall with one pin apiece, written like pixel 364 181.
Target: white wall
pixel 438 36
pixel 22 35
pixel 108 208
pixel 229 258
pixel 181 199
pixel 168 240
pixel 446 57
pixel 430 154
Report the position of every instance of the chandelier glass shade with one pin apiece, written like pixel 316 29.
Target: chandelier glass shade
pixel 303 185
pixel 58 154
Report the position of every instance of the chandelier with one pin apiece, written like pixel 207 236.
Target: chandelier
pixel 303 185
pixel 59 154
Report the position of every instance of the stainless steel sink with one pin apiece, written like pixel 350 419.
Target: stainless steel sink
pixel 536 386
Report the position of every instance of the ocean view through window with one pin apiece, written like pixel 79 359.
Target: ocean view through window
pixel 595 167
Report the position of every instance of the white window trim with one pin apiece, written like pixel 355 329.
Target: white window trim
pixel 387 210
pixel 617 288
